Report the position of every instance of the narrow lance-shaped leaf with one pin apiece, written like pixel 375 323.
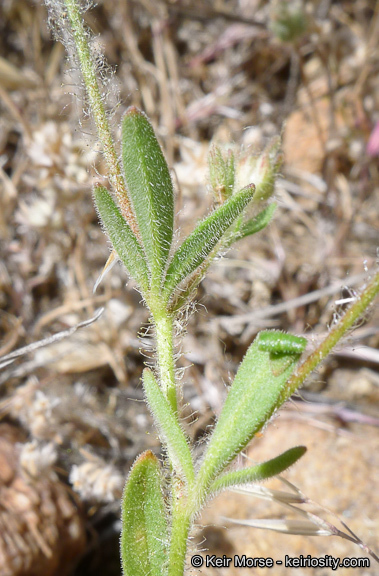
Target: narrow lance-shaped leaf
pixel 124 242
pixel 257 223
pixel 150 188
pixel 199 244
pixel 144 534
pixel 240 230
pixel 251 401
pixel 168 425
pixel 259 472
pixel 253 225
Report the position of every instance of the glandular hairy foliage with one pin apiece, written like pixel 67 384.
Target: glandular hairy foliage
pixel 150 188
pixel 252 399
pixel 144 535
pixel 124 242
pixel 160 503
pixel 171 432
pixel 199 245
pixel 255 224
pixel 258 472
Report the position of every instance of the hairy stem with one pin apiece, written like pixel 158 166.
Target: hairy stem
pixel 165 350
pixel 101 121
pixel 181 523
pixel 347 321
pixel 180 512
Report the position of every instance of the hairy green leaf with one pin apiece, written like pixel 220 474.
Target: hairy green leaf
pixel 144 534
pixel 240 230
pixel 259 472
pixel 279 342
pixel 124 242
pixel 251 401
pixel 257 223
pixel 167 422
pixel 200 243
pixel 150 188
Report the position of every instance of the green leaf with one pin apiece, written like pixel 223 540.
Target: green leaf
pixel 150 188
pixel 199 244
pixel 144 534
pixel 240 230
pixel 251 401
pixel 279 342
pixel 257 223
pixel 259 472
pixel 169 427
pixel 124 242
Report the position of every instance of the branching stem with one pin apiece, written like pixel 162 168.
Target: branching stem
pixel 345 323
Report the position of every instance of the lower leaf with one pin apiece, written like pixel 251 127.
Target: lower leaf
pixel 144 537
pixel 252 399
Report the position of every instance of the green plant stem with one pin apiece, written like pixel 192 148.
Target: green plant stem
pixel 181 515
pixel 181 523
pixel 165 350
pixel 350 317
pixel 101 121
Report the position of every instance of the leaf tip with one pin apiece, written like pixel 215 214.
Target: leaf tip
pixel 133 111
pixel 147 456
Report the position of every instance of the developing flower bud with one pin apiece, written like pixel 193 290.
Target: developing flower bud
pixel 221 173
pixel 261 170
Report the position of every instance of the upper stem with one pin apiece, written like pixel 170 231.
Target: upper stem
pixel 101 121
pixel 180 509
pixel 165 350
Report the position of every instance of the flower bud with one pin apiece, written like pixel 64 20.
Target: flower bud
pixel 261 170
pixel 221 173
